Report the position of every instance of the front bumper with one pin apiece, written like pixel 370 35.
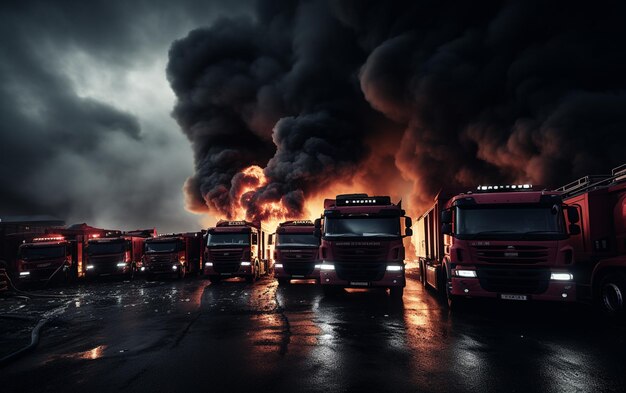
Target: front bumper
pixel 561 291
pixel 389 279
pixel 280 272
pixel 36 275
pixel 161 268
pixel 245 269
pixel 92 270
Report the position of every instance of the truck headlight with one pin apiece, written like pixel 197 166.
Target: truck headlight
pixel 561 276
pixel 279 265
pixel 89 267
pixel 394 268
pixel 23 274
pixel 466 273
pixel 327 266
pixel 208 264
pixel 245 263
pixel 121 264
pixel 174 267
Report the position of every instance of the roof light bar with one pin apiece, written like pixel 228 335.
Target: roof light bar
pixel 48 239
pixel 505 187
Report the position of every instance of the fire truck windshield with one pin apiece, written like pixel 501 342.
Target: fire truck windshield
pixel 520 221
pixel 362 226
pixel 162 246
pixel 226 238
pixel 41 252
pixel 297 239
pixel 105 248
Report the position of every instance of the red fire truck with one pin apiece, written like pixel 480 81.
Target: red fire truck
pixel 506 242
pixel 296 252
pixel 361 243
pixel 600 249
pixel 173 254
pixel 237 249
pixel 58 252
pixel 117 254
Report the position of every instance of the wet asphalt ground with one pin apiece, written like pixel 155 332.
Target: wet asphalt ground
pixel 191 336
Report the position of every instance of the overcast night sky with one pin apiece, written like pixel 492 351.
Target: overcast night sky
pixel 130 114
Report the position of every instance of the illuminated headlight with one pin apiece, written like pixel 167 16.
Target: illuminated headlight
pixel 466 273
pixel 394 268
pixel 562 276
pixel 121 264
pixel 318 266
pixel 174 267
pixel 279 265
pixel 327 266
pixel 208 264
pixel 23 274
pixel 90 267
pixel 143 268
pixel 245 263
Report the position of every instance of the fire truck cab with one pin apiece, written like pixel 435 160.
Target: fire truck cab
pixel 362 243
pixel 117 254
pixel 173 254
pixel 600 248
pixel 505 242
pixel 237 249
pixel 296 252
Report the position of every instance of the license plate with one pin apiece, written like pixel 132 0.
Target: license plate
pixel 359 283
pixel 513 297
pixel 297 276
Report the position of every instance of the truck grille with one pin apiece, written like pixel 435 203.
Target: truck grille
pixel 225 261
pixel 511 254
pixel 362 263
pixel 298 262
pixel 521 280
pixel 105 265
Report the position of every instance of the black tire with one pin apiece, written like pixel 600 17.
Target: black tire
pixel 454 302
pixel 612 295
pixel 283 281
pixel 215 279
pixel 396 293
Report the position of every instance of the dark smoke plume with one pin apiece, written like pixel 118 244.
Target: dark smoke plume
pixel 484 91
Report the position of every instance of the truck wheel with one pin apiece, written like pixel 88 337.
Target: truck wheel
pixel 396 293
pixel 131 274
pixel 283 281
pixel 454 302
pixel 215 279
pixel 613 294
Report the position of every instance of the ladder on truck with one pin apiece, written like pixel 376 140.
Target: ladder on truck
pixel 593 182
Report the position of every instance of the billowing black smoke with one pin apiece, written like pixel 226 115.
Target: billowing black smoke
pixel 484 91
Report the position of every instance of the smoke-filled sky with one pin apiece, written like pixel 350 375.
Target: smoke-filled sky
pixel 110 108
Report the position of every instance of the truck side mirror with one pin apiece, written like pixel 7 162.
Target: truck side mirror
pixel 446 228
pixel 408 232
pixel 572 215
pixel 446 216
pixel 408 222
pixel 574 229
pixel 317 233
pixel 318 223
